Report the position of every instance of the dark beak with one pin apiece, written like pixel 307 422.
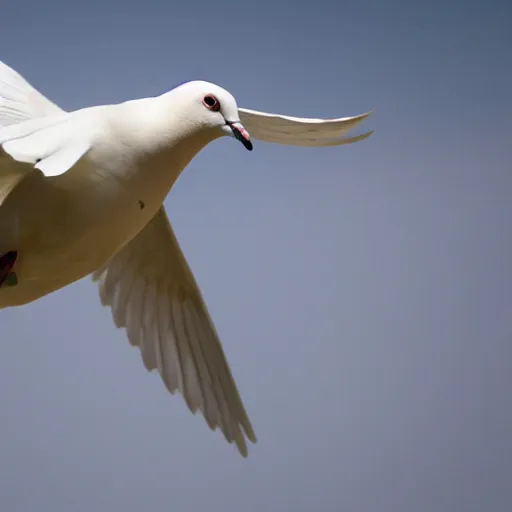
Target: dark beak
pixel 240 133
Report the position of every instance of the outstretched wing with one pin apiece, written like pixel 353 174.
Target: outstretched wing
pixel 301 131
pixel 154 295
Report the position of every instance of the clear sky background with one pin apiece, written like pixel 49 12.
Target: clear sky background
pixel 363 293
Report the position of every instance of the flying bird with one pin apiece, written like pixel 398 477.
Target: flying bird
pixel 82 192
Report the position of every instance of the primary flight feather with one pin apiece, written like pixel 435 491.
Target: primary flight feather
pixel 82 193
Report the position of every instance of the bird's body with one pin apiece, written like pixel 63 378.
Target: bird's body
pixel 67 226
pixel 82 193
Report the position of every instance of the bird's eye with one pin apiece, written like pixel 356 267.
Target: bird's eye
pixel 211 102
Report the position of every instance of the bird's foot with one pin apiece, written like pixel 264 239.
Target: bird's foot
pixel 7 276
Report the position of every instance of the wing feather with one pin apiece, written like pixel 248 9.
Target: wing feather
pixel 154 296
pixel 301 131
pixel 19 101
pixel 34 130
pixel 53 145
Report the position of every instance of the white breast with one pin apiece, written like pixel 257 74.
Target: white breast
pixel 67 228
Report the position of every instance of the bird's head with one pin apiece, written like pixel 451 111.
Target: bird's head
pixel 208 107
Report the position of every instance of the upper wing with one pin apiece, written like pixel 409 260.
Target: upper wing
pixel 51 144
pixel 19 101
pixel 154 295
pixel 301 131
pixel 33 130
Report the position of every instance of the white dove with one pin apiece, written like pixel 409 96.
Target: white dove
pixel 82 193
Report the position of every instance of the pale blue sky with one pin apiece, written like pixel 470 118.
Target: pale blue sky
pixel 363 293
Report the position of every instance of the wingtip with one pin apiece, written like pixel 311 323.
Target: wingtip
pixel 363 136
pixel 243 451
pixel 365 115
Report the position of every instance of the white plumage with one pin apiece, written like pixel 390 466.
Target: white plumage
pixel 82 193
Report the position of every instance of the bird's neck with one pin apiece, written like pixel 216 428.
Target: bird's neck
pixel 161 139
